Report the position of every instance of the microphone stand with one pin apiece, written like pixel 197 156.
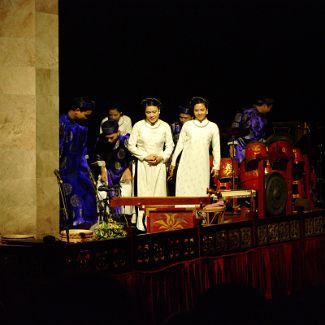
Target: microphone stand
pixel 64 204
pixel 232 162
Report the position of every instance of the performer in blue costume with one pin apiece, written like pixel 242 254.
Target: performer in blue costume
pixel 78 188
pixel 115 169
pixel 185 115
pixel 252 119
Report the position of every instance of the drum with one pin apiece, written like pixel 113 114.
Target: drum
pixel 280 148
pixel 6 239
pixel 226 169
pixel 77 235
pixel 256 150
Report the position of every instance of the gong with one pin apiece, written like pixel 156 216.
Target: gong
pixel 276 194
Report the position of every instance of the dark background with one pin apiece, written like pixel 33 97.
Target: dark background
pixel 230 51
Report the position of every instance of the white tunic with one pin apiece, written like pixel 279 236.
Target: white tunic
pixel 193 173
pixel 145 140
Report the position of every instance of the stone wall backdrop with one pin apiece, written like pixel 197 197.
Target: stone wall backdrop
pixel 29 108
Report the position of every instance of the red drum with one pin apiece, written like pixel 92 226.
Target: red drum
pixel 256 150
pixel 280 148
pixel 226 168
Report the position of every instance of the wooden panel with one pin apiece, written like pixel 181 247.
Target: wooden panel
pixel 159 201
pixel 167 219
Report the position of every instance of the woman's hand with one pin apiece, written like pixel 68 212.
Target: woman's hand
pixel 153 160
pixel 214 172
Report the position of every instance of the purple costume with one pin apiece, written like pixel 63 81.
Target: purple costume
pixel 117 158
pixel 248 118
pixel 78 188
pixel 176 130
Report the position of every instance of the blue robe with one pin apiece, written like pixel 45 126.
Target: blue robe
pixel 117 158
pixel 78 188
pixel 256 123
pixel 176 130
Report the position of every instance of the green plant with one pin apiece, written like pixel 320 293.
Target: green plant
pixel 109 229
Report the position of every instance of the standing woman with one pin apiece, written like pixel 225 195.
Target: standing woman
pixel 151 142
pixel 196 137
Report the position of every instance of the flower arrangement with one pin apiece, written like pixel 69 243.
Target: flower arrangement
pixel 109 229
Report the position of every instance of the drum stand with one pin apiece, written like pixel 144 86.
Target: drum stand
pixel 232 162
pixel 233 205
pixel 232 134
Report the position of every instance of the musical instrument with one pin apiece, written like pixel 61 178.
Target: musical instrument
pixel 228 168
pixel 77 235
pixel 279 148
pixel 256 150
pixel 233 133
pixel 270 175
pixel 210 216
pixel 276 194
pixel 160 201
pixel 7 239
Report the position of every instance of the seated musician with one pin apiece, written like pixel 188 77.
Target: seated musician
pixel 255 121
pixel 115 162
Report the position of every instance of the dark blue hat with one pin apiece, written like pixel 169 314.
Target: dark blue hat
pixel 109 127
pixel 184 110
pixel 265 101
pixel 83 103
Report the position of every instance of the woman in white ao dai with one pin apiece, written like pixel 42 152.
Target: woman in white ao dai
pixel 196 137
pixel 151 142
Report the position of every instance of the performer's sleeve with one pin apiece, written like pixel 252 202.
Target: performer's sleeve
pixel 61 139
pixel 216 148
pixel 169 143
pixel 257 127
pixel 132 146
pixel 180 145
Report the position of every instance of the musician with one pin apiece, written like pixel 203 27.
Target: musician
pixel 252 119
pixel 196 137
pixel 78 188
pixel 184 115
pixel 115 160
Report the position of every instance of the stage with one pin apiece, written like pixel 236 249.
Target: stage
pixel 166 272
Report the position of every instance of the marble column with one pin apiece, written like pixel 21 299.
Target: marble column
pixel 29 108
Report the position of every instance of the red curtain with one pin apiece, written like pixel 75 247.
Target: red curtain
pixel 274 271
